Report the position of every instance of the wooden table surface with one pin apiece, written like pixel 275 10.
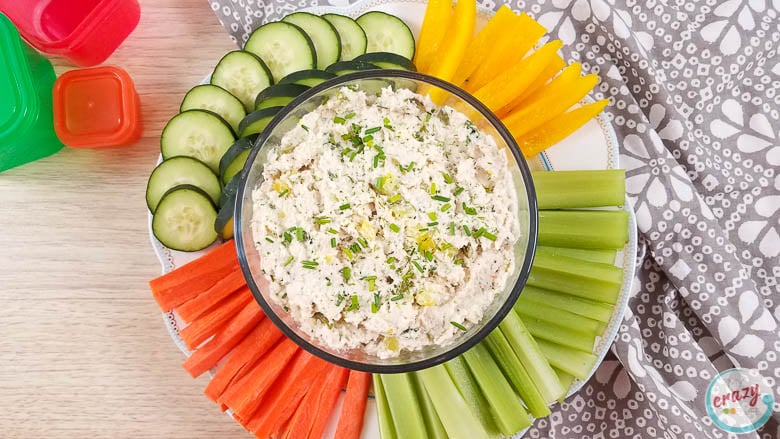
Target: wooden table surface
pixel 83 349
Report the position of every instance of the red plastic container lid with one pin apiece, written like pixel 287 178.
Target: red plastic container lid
pixel 17 91
pixel 96 107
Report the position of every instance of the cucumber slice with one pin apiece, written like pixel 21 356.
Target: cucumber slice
pixel 184 219
pixel 223 225
pixel 177 171
pixel 388 60
pixel 199 134
pixel 284 47
pixel 243 74
pixel 309 78
pixel 326 39
pixel 235 166
pixel 387 33
pixel 344 67
pixel 217 99
pixel 256 121
pixel 278 95
pixel 235 149
pixel 353 38
pixel 229 191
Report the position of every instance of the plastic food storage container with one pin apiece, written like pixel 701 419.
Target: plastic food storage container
pixel 96 107
pixel 84 31
pixel 26 78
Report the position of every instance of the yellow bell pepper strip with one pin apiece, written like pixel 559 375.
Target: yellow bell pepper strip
pixel 558 128
pixel 502 89
pixel 550 70
pixel 483 43
pixel 563 92
pixel 515 41
pixel 456 40
pixel 434 27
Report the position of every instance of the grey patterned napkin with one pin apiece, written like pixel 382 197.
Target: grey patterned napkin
pixel 694 90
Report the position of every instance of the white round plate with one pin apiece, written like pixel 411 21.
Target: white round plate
pixel 594 146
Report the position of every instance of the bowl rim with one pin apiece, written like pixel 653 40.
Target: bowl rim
pixel 523 274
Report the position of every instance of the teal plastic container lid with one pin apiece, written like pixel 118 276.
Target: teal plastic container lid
pixel 19 105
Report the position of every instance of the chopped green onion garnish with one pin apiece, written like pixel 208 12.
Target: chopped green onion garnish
pixel 440 198
pixel 353 305
pixel 417 266
pixel 376 160
pixel 345 151
pixel 333 242
pixel 452 227
pixel 380 182
pixel 362 242
pixel 391 259
pixel 348 254
pixel 333 231
pixel 432 216
pixel 350 116
pixel 458 325
pixel 311 265
pixel 458 262
pixel 447 177
pixel 368 139
pixel 458 191
pixel 371 284
pixel 433 224
pixel 446 207
pixel 269 240
pixel 352 156
pixel 394 199
pixel 345 206
pixel 375 304
pixel 489 235
pixel 283 193
pixel 432 189
pixel 339 299
pixel 394 227
pixel 428 256
pixel 355 248
pixel 299 234
pixel 321 220
pixel 397 297
pixel 466 229
pixel 408 275
pixel 339 120
pixel 469 210
pixel 305 128
pixel 347 273
pixel 288 261
pixel 478 232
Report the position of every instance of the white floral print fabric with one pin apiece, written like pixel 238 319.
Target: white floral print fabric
pixel 694 90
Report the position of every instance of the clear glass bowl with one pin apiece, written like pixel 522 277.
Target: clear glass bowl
pixel 373 81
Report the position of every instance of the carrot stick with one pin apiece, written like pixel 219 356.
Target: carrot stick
pixel 481 44
pixel 556 65
pixel 303 418
pixel 195 307
pixel 557 129
pixel 208 355
pixel 434 26
pixel 243 358
pixel 213 321
pixel 350 424
pixel 456 41
pixel 516 78
pixel 176 287
pixel 512 45
pixel 286 395
pixel 327 401
pixel 245 396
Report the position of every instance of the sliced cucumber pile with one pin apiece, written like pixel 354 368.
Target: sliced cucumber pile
pixel 192 193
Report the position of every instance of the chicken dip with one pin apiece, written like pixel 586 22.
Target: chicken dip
pixel 385 223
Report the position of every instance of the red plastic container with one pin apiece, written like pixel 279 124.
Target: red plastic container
pixel 96 108
pixel 84 31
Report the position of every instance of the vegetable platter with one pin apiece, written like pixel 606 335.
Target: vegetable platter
pixel 235 113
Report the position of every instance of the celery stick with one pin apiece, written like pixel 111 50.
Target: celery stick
pixel 524 346
pixel 401 399
pixel 474 397
pixel 568 360
pixel 566 337
pixel 456 416
pixel 566 380
pixel 516 373
pixel 386 430
pixel 591 229
pixel 572 189
pixel 432 422
pixel 600 282
pixel 560 318
pixel 509 413
pixel 592 255
pixel 577 305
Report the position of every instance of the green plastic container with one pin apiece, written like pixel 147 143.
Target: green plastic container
pixel 26 122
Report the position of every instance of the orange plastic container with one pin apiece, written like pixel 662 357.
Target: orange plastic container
pixel 84 31
pixel 96 108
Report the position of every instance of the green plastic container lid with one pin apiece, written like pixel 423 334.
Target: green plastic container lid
pixel 19 103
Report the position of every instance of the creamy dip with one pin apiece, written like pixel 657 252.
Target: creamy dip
pixel 385 223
